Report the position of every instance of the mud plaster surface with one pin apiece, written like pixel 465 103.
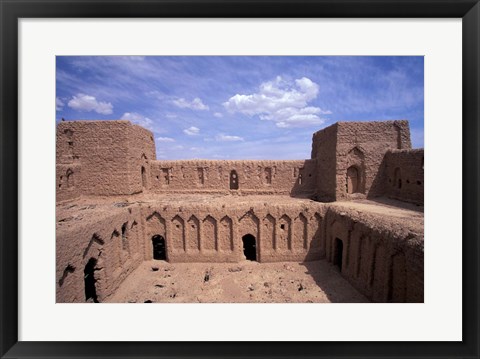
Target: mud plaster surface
pixel 244 282
pixel 385 211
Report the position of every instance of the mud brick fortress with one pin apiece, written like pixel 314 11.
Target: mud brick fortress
pixel 118 206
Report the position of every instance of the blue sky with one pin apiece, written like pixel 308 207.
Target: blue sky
pixel 240 107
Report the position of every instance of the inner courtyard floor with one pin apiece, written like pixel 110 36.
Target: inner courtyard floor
pixel 158 281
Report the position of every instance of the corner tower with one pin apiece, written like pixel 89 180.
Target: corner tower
pixel 350 157
pixel 102 158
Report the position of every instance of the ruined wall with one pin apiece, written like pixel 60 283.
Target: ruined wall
pixel 404 175
pixel 112 239
pixel 361 147
pixel 109 154
pixel 67 180
pixel 243 177
pixel 383 263
pixel 324 152
pixel 119 237
pixel 209 234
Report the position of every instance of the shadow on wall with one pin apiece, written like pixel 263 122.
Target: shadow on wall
pixel 377 188
pixel 327 275
pixel 331 273
pixel 305 180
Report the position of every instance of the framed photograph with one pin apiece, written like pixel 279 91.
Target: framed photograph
pixel 97 211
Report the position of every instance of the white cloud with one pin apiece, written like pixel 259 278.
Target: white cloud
pixel 196 104
pixel 59 104
pixel 138 119
pixel 226 138
pixel 87 103
pixel 218 115
pixel 165 139
pixel 191 131
pixel 171 116
pixel 285 103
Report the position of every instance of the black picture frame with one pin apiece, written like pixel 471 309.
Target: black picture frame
pixel 11 11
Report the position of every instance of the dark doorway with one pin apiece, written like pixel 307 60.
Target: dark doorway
pixel 249 247
pixel 89 277
pixel 338 254
pixel 233 180
pixel 159 250
pixel 352 180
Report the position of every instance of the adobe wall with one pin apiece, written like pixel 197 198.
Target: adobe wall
pixel 113 238
pixel 382 259
pixel 204 233
pixel 362 145
pixel 253 177
pixel 141 153
pixel 404 175
pixel 324 153
pixel 383 262
pixel 109 154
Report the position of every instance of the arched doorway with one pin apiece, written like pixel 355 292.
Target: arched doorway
pixel 89 278
pixel 159 248
pixel 353 180
pixel 233 180
pixel 338 254
pixel 249 247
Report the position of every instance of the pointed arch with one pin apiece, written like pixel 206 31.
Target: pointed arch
pixel 209 235
pixel 193 233
pixel 178 233
pixel 225 234
pixel 284 232
pixel 268 233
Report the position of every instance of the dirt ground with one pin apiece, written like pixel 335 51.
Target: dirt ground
pixel 245 282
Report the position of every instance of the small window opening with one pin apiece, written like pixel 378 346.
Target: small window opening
pixel 144 177
pixel 159 248
pixel 233 180
pixel 268 175
pixel 282 226
pixel 249 247
pixel 201 175
pixel 124 237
